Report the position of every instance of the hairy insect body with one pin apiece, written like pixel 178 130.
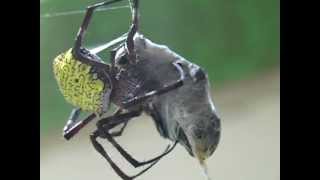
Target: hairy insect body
pixel 78 85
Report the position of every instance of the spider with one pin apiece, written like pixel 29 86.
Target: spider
pixel 142 77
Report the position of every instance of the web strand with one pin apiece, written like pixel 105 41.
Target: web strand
pixel 107 45
pixel 67 13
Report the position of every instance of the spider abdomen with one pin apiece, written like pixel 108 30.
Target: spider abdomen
pixel 79 87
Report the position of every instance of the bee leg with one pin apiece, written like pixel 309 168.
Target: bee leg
pixel 165 89
pixel 78 51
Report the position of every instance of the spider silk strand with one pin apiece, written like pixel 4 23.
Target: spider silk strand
pixel 67 13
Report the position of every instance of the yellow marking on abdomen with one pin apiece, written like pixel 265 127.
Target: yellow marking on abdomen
pixel 77 85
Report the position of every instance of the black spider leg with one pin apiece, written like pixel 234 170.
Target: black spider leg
pixel 112 59
pixel 104 126
pixel 165 89
pixel 120 173
pixel 78 51
pixel 132 31
pixel 72 128
pixel 119 132
pixel 112 43
pixel 74 115
pixel 70 131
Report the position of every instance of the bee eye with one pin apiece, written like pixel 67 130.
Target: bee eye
pixel 123 60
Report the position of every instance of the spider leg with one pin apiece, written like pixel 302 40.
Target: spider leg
pixel 133 161
pixel 133 29
pixel 104 126
pixel 165 89
pixel 70 131
pixel 108 123
pixel 74 115
pixel 78 51
pixel 119 133
pixel 116 168
pixel 112 43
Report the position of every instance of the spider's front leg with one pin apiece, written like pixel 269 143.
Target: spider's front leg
pixel 78 51
pixel 104 125
pixel 133 29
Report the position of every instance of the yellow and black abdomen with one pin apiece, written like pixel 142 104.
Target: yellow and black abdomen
pixel 79 87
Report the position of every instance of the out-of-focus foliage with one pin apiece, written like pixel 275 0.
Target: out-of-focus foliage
pixel 231 39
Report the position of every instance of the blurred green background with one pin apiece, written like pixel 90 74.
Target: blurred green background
pixel 231 39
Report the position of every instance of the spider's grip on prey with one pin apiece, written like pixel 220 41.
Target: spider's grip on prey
pixel 163 90
pixel 90 84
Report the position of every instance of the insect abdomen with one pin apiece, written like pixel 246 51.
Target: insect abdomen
pixel 77 84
